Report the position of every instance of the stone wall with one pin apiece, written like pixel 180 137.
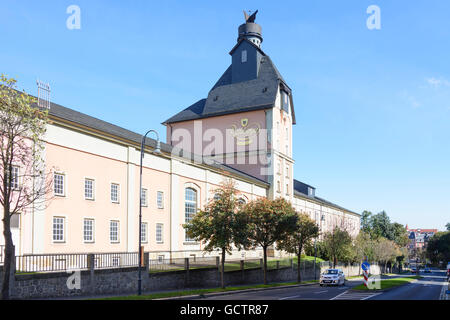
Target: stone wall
pixel 124 280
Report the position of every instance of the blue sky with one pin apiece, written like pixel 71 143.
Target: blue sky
pixel 372 106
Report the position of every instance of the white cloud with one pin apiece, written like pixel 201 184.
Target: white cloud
pixel 437 83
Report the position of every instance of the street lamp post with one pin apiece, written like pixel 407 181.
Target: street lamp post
pixel 322 218
pixel 157 151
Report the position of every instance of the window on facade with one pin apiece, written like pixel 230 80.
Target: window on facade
pixel 287 171
pixel 114 193
pixel 190 206
pixel 287 188
pixel 160 199
pixel 144 197
pixel 144 228
pixel 244 56
pixel 114 231
pixel 58 184
pixel 285 101
pixel 89 189
pixel 287 149
pixel 58 229
pixel 15 221
pixel 279 168
pixel 88 230
pixel 15 178
pixel 278 186
pixel 159 233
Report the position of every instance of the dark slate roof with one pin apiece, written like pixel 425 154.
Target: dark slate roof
pixel 71 115
pixel 227 98
pixel 301 189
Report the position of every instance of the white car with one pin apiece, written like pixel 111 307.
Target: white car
pixel 332 277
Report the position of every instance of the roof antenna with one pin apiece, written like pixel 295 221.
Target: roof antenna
pixel 43 94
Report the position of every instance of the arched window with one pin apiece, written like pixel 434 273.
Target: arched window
pixel 190 206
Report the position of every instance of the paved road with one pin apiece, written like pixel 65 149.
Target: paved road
pixel 428 288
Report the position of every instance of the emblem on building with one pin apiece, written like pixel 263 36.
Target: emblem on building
pixel 245 133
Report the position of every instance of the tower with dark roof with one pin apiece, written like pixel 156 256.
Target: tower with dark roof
pixel 250 103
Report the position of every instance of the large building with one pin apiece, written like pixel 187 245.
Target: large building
pixel 242 130
pixel 418 238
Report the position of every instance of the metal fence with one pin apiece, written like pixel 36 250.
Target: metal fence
pixel 164 265
pixel 116 260
pixel 50 262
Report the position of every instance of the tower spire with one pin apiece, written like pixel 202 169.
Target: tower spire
pixel 250 30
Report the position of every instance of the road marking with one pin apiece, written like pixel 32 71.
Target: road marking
pixel 348 295
pixel 321 291
pixel 285 298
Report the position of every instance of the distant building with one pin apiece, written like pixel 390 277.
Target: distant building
pixel 419 237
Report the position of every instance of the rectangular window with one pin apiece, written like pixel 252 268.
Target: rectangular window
pixel 114 231
pixel 144 197
pixel 287 171
pixel 144 228
pixel 287 188
pixel 15 178
pixel 244 56
pixel 114 193
pixel 159 233
pixel 58 229
pixel 88 230
pixel 278 186
pixel 58 184
pixel 89 189
pixel 160 199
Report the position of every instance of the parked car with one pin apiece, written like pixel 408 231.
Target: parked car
pixel 332 277
pixel 448 272
pixel 413 270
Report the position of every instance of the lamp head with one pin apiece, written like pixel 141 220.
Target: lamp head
pixel 158 147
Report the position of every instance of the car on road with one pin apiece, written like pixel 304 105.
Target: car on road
pixel 332 277
pixel 413 270
pixel 427 270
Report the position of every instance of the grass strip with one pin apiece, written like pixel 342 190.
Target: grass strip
pixel 200 291
pixel 388 283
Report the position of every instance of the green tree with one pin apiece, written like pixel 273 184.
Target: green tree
pixel 218 223
pixel 338 243
pixel 23 181
pixel 305 230
pixel 381 226
pixel 447 226
pixel 366 221
pixel 399 234
pixel 268 221
pixel 438 247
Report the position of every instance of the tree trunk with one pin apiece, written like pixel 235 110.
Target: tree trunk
pixel 299 276
pixel 334 262
pixel 9 254
pixel 222 269
pixel 265 264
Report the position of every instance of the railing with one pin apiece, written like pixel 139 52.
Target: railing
pixel 51 262
pixel 116 260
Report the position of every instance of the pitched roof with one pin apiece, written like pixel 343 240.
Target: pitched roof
pixel 226 97
pixel 59 112
pixel 301 190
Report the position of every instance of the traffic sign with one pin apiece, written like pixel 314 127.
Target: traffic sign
pixel 365 266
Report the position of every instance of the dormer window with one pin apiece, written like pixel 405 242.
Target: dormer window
pixel 285 101
pixel 244 56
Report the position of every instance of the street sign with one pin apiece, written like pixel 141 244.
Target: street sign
pixel 365 266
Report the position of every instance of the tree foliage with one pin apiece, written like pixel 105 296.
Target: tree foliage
pixel 218 224
pixel 268 221
pixel 23 181
pixel 305 230
pixel 338 243
pixel 438 248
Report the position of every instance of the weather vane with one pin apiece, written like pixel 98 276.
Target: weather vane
pixel 252 16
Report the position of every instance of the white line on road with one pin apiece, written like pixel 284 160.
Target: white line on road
pixel 285 298
pixel 321 291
